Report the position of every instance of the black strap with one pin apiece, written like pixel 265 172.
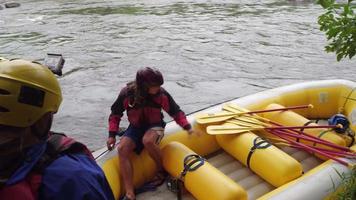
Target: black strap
pixel 179 187
pixel 321 134
pixel 191 163
pixel 306 124
pixel 175 185
pixel 352 136
pixel 302 129
pixel 263 144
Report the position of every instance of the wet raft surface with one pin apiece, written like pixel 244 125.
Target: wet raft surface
pixel 252 183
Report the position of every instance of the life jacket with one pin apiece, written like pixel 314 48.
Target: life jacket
pixel 27 188
pixel 147 114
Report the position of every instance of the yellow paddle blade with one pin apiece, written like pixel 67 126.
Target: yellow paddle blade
pixel 230 129
pixel 218 130
pixel 245 124
pixel 248 119
pixel 206 118
pixel 234 108
pixel 237 122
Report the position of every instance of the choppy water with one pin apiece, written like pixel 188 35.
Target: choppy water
pixel 209 51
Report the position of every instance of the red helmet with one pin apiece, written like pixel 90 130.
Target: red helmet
pixel 149 76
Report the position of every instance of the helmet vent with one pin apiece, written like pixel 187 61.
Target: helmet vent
pixel 31 96
pixel 2 109
pixel 4 92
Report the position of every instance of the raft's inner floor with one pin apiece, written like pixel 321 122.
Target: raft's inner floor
pixel 252 183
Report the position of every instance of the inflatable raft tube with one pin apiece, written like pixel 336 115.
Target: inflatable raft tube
pixel 266 160
pixel 205 182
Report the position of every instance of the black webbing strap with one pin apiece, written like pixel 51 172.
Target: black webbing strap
pixel 324 132
pixel 191 163
pixel 263 144
pixel 302 129
pixel 175 185
pixel 352 136
pixel 321 134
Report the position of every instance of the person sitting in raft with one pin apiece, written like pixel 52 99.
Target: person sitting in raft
pixel 36 163
pixel 143 100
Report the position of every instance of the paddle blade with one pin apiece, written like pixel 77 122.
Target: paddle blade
pixel 239 123
pixel 249 119
pixel 207 118
pixel 234 108
pixel 231 129
pixel 224 130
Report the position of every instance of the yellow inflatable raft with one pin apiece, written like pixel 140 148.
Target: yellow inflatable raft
pixel 246 165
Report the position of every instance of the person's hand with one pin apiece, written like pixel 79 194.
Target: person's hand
pixel 111 143
pixel 195 132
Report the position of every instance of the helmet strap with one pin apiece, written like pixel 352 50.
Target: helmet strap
pixel 40 129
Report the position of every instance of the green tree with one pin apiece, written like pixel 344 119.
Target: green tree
pixel 339 24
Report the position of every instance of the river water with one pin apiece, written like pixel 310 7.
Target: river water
pixel 209 51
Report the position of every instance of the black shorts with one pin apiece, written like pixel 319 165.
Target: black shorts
pixel 136 134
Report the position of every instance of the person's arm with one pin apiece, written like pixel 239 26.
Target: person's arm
pixel 117 110
pixel 74 177
pixel 172 108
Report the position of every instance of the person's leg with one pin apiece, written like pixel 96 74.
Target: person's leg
pixel 151 140
pixel 126 146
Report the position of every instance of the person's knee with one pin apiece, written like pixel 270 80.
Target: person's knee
pixel 148 142
pixel 150 139
pixel 123 150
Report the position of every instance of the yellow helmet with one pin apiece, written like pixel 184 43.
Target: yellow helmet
pixel 28 90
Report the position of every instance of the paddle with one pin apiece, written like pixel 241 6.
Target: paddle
pixel 328 151
pixel 236 128
pixel 236 108
pixel 247 120
pixel 287 131
pixel 225 130
pixel 311 139
pixel 338 153
pixel 206 118
pixel 278 141
pixel 313 150
pixel 281 133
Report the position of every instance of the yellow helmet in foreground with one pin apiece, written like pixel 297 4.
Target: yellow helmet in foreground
pixel 27 91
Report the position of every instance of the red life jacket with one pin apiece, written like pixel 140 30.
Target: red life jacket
pixel 27 189
pixel 150 113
